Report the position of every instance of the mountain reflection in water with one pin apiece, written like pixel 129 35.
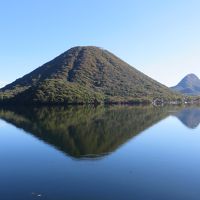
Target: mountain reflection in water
pixel 190 117
pixel 84 131
pixel 91 132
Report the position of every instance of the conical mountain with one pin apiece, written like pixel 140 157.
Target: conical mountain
pixel 189 85
pixel 84 75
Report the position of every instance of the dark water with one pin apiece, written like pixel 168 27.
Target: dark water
pixel 136 153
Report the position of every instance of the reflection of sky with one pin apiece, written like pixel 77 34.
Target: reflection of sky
pixel 2 123
pixel 161 161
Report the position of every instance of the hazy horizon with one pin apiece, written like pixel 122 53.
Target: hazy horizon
pixel 161 39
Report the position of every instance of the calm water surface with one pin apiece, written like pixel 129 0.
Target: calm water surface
pixel 136 153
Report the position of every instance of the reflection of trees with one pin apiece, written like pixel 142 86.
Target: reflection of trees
pixel 84 131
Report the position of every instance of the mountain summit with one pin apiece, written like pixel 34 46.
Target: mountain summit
pixel 84 75
pixel 189 85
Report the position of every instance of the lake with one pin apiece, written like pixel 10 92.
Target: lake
pixel 116 152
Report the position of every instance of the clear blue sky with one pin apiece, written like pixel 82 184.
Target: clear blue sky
pixel 160 38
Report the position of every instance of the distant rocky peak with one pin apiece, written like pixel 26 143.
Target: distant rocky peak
pixel 189 85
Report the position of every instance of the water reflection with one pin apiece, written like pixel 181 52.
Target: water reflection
pixel 190 117
pixel 84 131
